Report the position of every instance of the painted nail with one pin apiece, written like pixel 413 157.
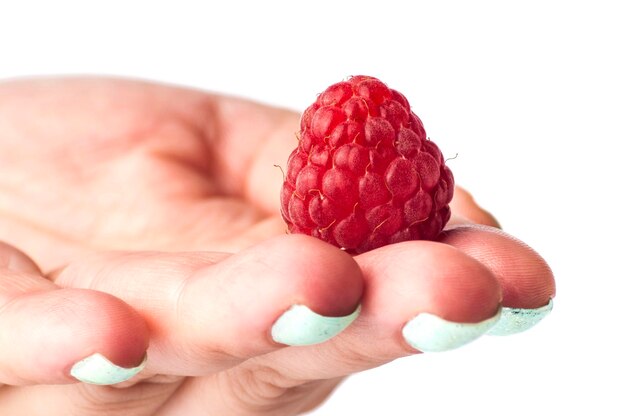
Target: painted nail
pixel 516 320
pixel 299 325
pixel 430 333
pixel 97 369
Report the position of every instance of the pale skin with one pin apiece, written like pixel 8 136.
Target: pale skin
pixel 142 217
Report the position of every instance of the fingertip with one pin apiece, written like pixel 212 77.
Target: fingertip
pixel 290 290
pixel 464 204
pixel 13 259
pixel 329 289
pixel 110 327
pixel 433 296
pixel 331 280
pixel 110 345
pixel 465 290
pixel 71 326
pixel 437 279
pixel 526 278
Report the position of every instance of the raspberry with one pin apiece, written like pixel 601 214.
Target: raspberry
pixel 364 173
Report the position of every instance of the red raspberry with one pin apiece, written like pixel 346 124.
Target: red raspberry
pixel 364 173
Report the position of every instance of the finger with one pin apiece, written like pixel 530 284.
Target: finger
pixel 54 336
pixel 210 311
pixel 465 209
pixel 253 144
pixel 449 291
pixel 15 260
pixel 527 281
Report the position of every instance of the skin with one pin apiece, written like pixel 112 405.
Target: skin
pixel 149 215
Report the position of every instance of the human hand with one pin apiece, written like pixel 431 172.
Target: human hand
pixel 152 212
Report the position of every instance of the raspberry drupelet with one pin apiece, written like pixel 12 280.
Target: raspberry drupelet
pixel 364 173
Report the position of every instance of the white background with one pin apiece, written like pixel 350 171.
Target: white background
pixel 531 95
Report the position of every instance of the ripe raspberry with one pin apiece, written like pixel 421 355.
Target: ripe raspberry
pixel 364 173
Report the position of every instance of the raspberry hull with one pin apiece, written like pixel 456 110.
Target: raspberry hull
pixel 364 173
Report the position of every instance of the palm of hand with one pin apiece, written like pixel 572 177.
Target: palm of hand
pixel 122 165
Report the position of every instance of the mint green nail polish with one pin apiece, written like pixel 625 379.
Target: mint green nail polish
pixel 299 325
pixel 516 320
pixel 97 369
pixel 430 333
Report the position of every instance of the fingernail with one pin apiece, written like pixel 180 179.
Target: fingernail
pixel 430 333
pixel 516 320
pixel 299 325
pixel 97 369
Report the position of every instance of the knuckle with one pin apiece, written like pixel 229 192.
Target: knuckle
pixel 88 399
pixel 140 399
pixel 257 388
pixel 353 356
